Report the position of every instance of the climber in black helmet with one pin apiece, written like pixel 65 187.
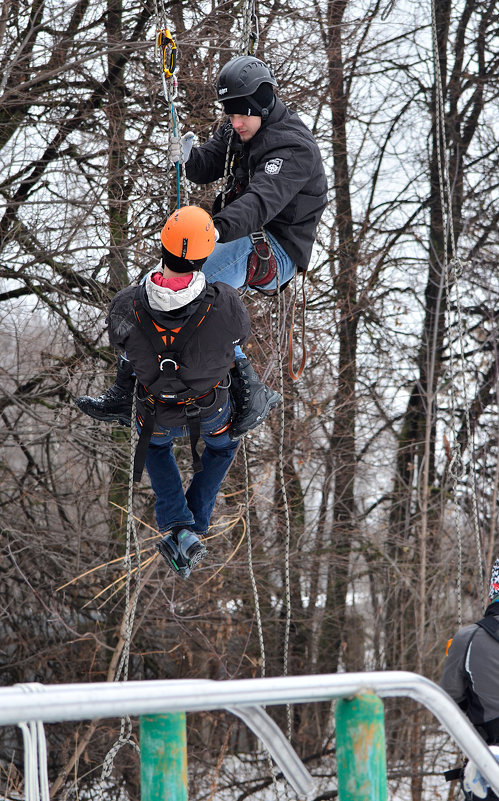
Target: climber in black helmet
pixel 277 181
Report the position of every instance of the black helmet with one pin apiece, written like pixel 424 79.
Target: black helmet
pixel 242 76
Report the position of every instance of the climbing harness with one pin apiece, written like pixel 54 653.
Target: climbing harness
pixel 262 264
pixel 169 388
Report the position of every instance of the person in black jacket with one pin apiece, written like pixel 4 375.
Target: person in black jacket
pixel 276 184
pixel 471 670
pixel 179 334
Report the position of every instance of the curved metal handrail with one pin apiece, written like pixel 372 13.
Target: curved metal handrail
pixel 55 703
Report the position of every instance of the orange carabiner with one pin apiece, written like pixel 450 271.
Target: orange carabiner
pixel 164 40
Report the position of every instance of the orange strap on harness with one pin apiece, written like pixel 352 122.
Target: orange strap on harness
pixel 296 376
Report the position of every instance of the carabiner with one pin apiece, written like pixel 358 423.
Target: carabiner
pixel 164 40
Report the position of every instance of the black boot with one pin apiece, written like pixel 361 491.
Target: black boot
pixel 115 404
pixel 251 399
pixel 182 550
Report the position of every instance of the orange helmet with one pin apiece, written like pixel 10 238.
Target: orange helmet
pixel 189 233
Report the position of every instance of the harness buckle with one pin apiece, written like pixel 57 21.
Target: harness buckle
pixel 191 409
pixel 261 245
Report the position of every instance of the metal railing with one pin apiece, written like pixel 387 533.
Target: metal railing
pixel 57 703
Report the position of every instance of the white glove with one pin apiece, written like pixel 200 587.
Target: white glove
pixel 186 141
pixel 217 233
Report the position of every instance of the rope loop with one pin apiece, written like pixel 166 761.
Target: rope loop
pixel 456 268
pixel 457 468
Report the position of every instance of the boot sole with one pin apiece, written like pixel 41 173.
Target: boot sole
pixel 196 558
pixel 272 402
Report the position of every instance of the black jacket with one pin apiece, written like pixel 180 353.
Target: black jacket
pixel 206 358
pixel 471 672
pixel 278 180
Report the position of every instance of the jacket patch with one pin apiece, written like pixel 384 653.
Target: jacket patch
pixel 273 166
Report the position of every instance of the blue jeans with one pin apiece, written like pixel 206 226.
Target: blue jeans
pixel 229 260
pixel 192 509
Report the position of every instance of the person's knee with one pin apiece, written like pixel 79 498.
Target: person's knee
pixel 226 451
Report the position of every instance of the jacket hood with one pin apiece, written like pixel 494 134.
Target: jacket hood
pixel 163 299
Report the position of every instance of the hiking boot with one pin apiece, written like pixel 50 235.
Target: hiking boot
pixel 182 550
pixel 115 404
pixel 252 400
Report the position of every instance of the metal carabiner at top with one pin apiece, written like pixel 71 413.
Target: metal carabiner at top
pixel 164 40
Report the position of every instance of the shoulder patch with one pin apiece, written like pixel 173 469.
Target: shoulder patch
pixel 273 166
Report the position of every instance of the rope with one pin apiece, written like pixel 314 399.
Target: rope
pixel 254 587
pixel 452 273
pixel 287 573
pixel 249 43
pixel 125 735
pixel 164 42
pixel 296 376
pixel 250 34
pixel 131 532
pixel 36 783
pixel 160 12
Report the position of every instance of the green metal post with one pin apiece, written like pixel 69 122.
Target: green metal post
pixel 163 757
pixel 360 748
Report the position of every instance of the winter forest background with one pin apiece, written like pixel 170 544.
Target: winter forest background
pixel 388 480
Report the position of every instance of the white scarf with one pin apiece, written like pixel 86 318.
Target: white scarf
pixel 163 299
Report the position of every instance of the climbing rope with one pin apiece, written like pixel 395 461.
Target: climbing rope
pixel 249 43
pixel 125 735
pixel 258 614
pixel 452 273
pixel 284 494
pixel 131 532
pixel 167 49
pixel 250 32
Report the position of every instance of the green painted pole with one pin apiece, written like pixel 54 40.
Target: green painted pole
pixel 163 757
pixel 360 748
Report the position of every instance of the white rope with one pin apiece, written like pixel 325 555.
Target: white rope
pixel 161 18
pixel 254 587
pixel 452 274
pixel 248 45
pixel 249 42
pixel 126 729
pixel 36 783
pixel 131 532
pixel 282 481
pixel 250 33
